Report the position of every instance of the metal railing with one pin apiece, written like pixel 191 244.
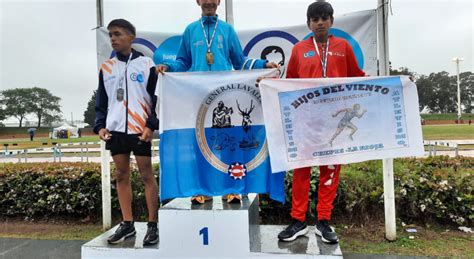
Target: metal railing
pixel 58 150
pixel 433 144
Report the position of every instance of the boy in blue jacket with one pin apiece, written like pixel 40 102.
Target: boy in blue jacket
pixel 211 44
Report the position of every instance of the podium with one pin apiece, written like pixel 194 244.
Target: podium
pixel 212 230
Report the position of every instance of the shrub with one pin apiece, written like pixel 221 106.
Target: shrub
pixel 60 189
pixel 50 189
pixel 438 189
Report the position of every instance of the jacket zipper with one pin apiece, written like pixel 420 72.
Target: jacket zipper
pixel 126 94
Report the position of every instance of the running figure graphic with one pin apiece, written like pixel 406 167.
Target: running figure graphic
pixel 346 121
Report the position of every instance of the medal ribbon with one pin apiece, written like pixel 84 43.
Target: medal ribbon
pixel 209 43
pixel 324 62
pixel 122 77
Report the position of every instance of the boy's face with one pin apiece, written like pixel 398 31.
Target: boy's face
pixel 208 7
pixel 121 39
pixel 320 25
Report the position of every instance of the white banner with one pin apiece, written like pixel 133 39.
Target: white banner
pixel 340 120
pixel 274 44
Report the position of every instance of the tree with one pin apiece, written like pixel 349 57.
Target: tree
pixel 45 105
pixel 3 114
pixel 49 119
pixel 426 94
pixel 467 90
pixel 402 71
pixel 445 92
pixel 438 91
pixel 17 103
pixel 89 113
pixel 424 90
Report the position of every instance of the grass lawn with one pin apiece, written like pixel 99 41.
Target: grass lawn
pixel 51 231
pixel 448 132
pixel 430 132
pixel 446 116
pixel 426 242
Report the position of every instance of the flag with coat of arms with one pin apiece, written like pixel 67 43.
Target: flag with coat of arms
pixel 212 135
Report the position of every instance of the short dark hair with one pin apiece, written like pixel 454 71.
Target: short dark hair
pixel 317 9
pixel 122 23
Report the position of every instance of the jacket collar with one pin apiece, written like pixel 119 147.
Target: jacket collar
pixel 209 19
pixel 330 37
pixel 135 54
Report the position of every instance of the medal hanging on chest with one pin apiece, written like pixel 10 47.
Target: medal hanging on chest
pixel 209 55
pixel 120 90
pixel 209 58
pixel 120 94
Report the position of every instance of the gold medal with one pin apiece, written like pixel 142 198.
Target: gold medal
pixel 209 55
pixel 209 58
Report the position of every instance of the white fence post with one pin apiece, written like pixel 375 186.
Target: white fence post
pixel 106 196
pixel 388 181
pixel 389 199
pixel 59 152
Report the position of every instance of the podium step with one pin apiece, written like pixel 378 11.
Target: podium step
pixel 306 246
pixel 132 247
pixel 211 230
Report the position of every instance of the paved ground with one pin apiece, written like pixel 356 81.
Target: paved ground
pixel 11 248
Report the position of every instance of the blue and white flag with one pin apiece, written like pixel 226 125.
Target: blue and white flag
pixel 328 121
pixel 212 136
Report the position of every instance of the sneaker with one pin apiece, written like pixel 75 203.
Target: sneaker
pixel 326 232
pixel 125 230
pixel 294 230
pixel 151 236
pixel 200 199
pixel 232 198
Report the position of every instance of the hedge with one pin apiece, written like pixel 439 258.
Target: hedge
pixel 60 189
pixel 437 189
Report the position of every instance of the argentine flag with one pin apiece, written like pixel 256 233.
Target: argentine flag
pixel 212 135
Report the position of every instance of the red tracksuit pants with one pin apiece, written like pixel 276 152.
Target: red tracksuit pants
pixel 328 182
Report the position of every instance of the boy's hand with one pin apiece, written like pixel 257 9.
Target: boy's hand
pixel 257 84
pixel 104 134
pixel 272 65
pixel 147 135
pixel 161 69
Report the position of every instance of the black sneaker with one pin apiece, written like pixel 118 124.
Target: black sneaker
pixel 151 236
pixel 326 233
pixel 126 229
pixel 294 230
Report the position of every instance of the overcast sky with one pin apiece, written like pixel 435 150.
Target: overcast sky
pixel 50 44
